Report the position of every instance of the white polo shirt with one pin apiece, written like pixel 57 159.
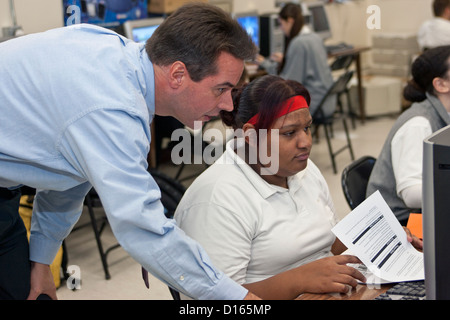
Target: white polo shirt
pixel 434 33
pixel 251 229
pixel 407 154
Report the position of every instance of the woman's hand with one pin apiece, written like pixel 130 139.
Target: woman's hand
pixel 331 274
pixel 414 240
pixel 327 275
pixel 277 57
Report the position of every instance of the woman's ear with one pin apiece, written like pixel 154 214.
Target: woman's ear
pixel 441 85
pixel 250 135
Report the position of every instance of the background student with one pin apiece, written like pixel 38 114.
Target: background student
pixel 436 31
pixel 397 173
pixel 304 58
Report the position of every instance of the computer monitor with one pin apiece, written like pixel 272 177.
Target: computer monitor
pixel 141 30
pixel 436 214
pixel 271 37
pixel 319 19
pixel 250 22
pixel 111 13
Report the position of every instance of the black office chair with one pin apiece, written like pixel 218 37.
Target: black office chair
pixel 342 62
pixel 204 145
pixel 354 180
pixel 171 193
pixel 326 118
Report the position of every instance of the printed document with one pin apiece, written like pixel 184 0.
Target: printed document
pixel 373 234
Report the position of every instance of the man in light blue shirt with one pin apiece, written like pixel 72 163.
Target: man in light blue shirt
pixel 76 105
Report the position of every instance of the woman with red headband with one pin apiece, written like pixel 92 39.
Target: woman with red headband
pixel 269 226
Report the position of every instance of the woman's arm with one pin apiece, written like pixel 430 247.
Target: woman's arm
pixel 338 247
pixel 407 151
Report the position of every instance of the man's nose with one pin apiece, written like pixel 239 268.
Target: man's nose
pixel 226 103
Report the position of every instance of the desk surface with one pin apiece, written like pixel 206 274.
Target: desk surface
pixel 354 50
pixel 361 292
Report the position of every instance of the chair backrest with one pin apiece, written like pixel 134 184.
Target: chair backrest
pixel 342 62
pixel 338 87
pixel 354 180
pixel 171 191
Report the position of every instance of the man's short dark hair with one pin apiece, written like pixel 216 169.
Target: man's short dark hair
pixel 439 7
pixel 196 34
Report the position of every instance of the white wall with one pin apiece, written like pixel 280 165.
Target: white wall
pixel 33 16
pixel 36 16
pixel 262 6
pixel 348 20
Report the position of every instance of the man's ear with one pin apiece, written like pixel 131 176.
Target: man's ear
pixel 446 14
pixel 441 85
pixel 177 74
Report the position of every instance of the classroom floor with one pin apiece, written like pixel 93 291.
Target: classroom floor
pixel 126 281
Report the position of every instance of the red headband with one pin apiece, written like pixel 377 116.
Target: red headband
pixel 291 104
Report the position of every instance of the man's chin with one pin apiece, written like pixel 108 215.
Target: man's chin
pixel 195 125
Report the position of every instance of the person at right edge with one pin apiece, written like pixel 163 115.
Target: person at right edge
pixel 397 173
pixel 435 32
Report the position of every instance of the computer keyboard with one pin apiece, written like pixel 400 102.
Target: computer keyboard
pixel 414 290
pixel 336 48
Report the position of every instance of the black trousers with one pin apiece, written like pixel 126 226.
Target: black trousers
pixel 14 250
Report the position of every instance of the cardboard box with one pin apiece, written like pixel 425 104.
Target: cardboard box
pixel 406 42
pixel 402 71
pixel 392 57
pixel 382 95
pixel 168 6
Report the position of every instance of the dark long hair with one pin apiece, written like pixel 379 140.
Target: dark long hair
pixel 429 65
pixel 263 95
pixel 291 10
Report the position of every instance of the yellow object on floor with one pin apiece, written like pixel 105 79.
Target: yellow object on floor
pixel 25 211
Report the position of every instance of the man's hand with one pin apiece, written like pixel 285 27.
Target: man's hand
pixel 251 296
pixel 41 281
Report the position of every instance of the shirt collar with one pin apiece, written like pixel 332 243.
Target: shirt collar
pixel 148 81
pixel 305 30
pixel 440 109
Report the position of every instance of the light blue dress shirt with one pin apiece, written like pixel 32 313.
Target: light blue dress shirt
pixel 76 105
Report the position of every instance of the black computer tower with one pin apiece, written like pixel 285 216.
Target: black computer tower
pixel 271 35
